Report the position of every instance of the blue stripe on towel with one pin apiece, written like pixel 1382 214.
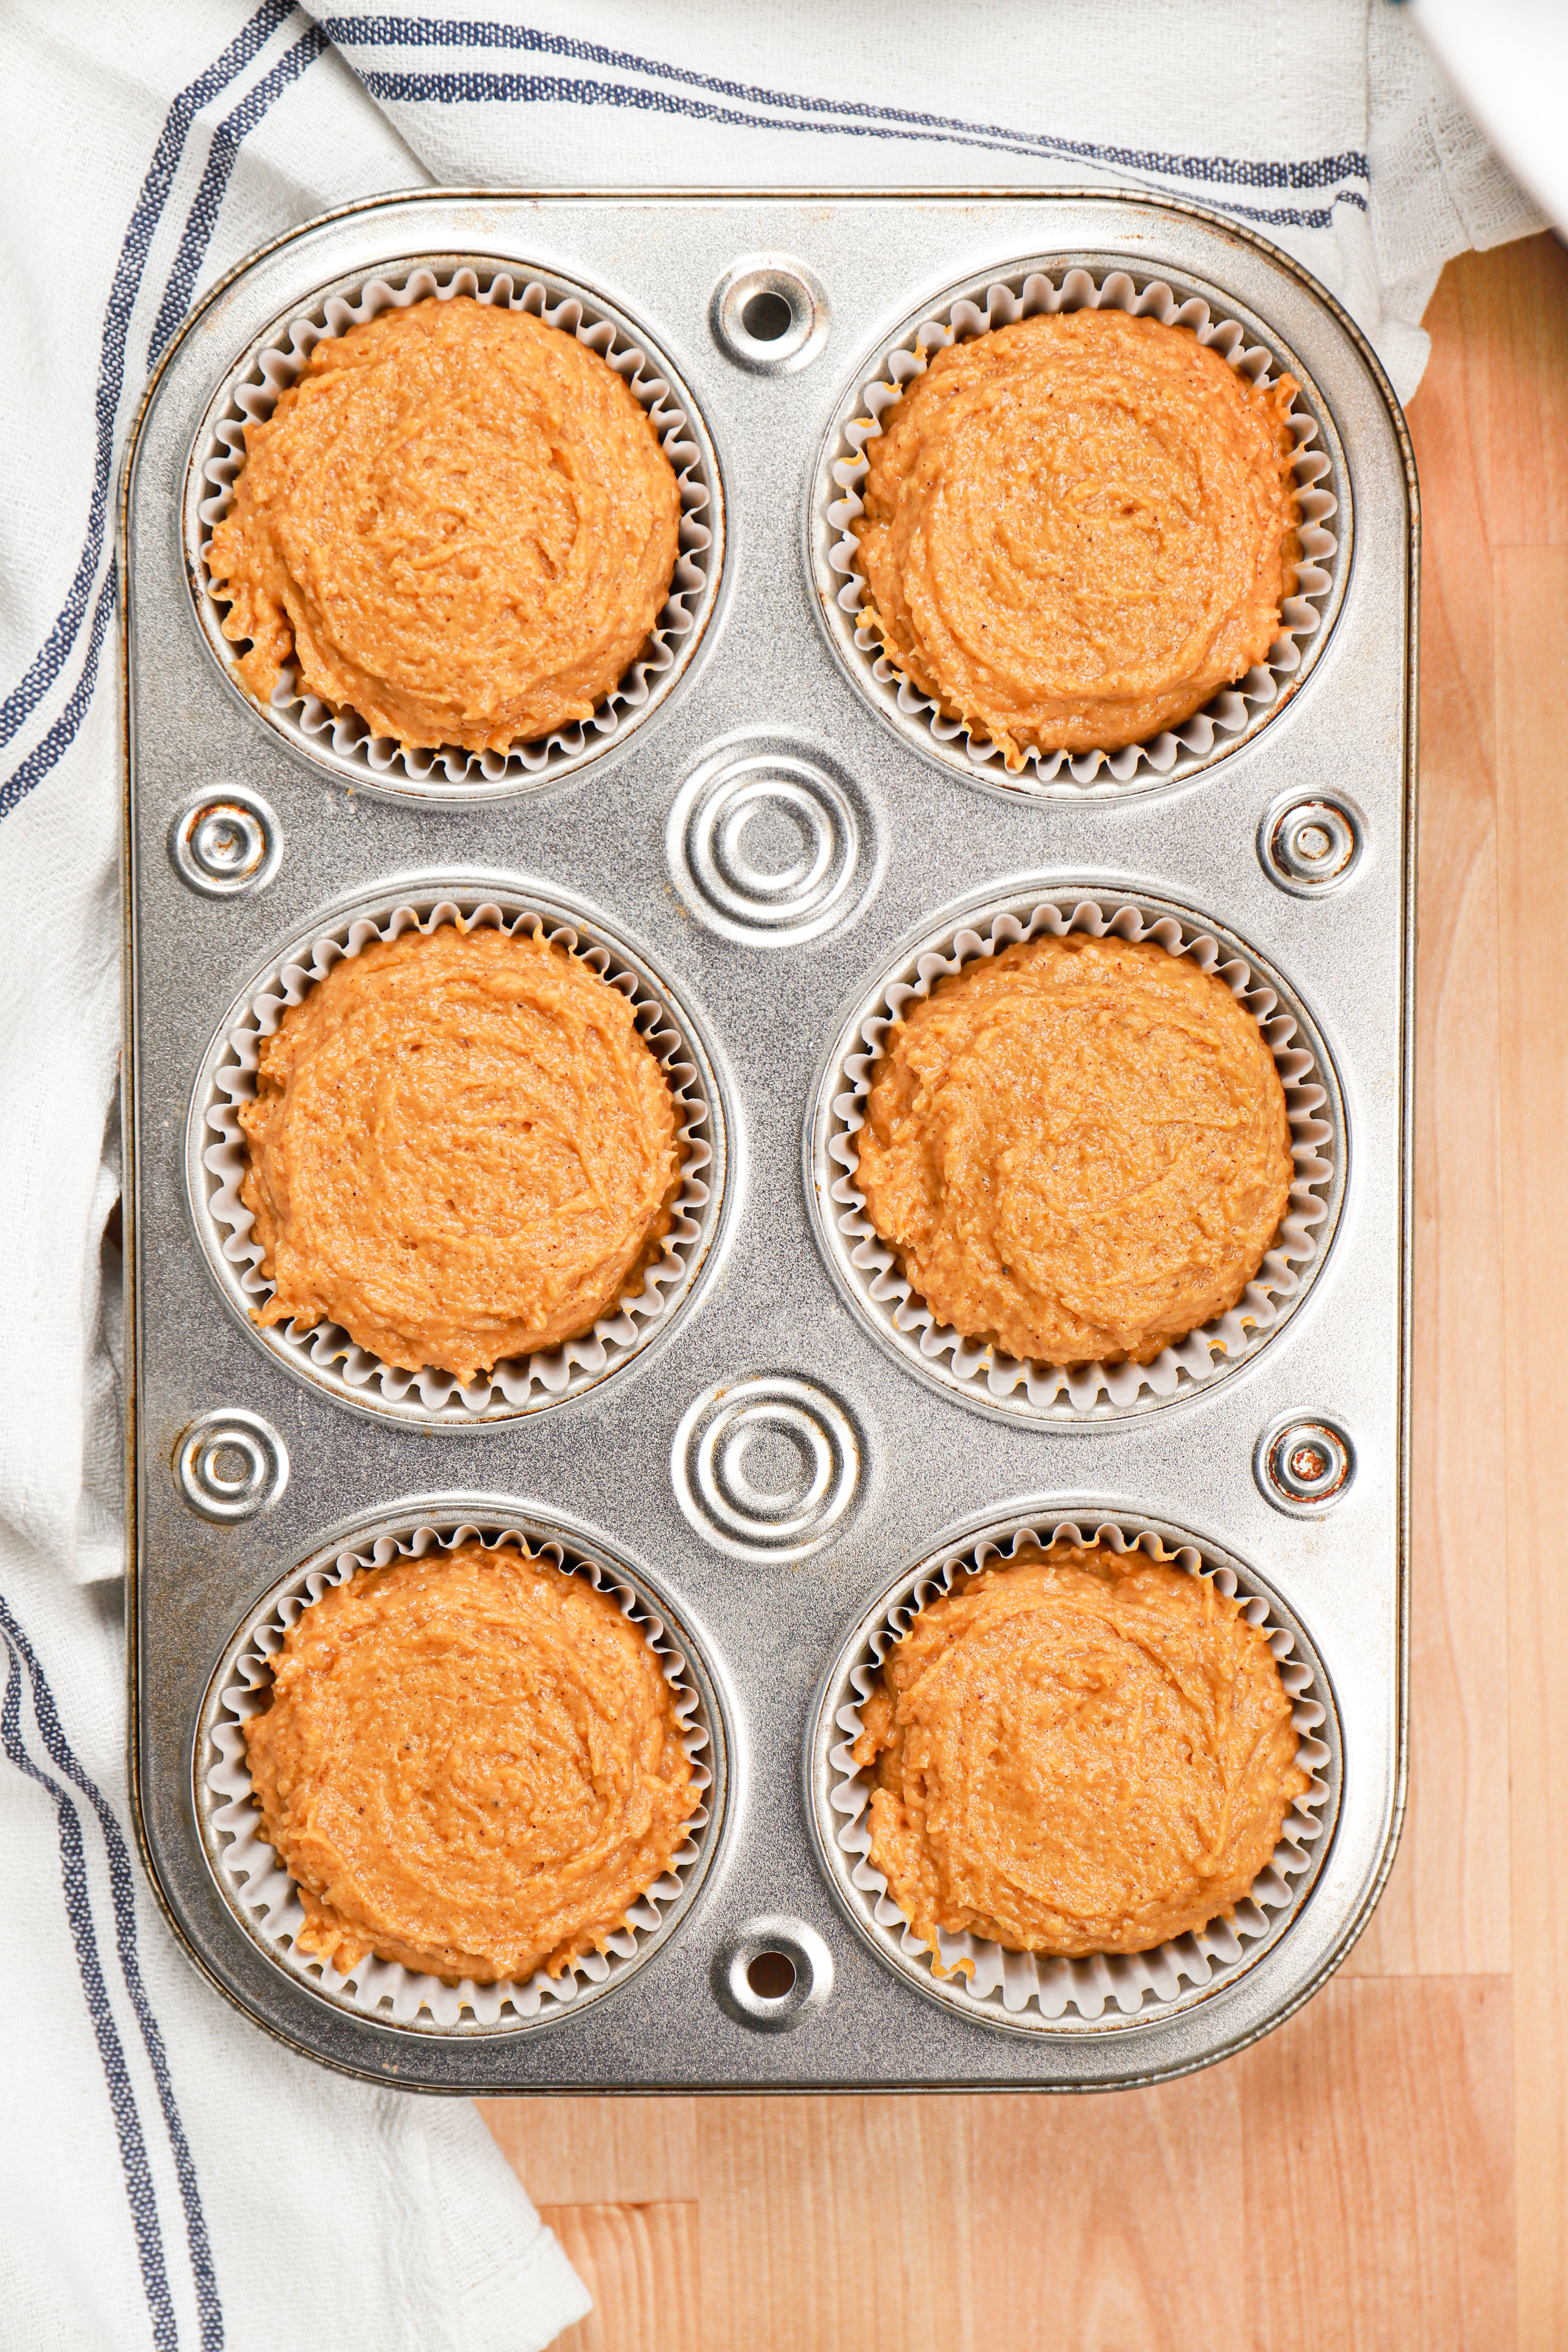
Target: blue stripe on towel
pixel 122 1892
pixel 47 750
pixel 227 140
pixel 78 1912
pixel 480 88
pixel 1222 171
pixel 23 698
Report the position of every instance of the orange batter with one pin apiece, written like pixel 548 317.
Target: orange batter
pixel 1077 528
pixel 471 1764
pixel 458 523
pixel 1079 1148
pixel 1078 1751
pixel 460 1150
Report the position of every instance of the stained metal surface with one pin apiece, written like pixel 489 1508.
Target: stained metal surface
pixel 769 1627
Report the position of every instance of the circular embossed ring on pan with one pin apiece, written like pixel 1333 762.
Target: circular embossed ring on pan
pixel 231 1464
pixel 867 1270
pixel 323 1355
pixel 765 1469
pixel 225 842
pixel 338 740
pixel 770 840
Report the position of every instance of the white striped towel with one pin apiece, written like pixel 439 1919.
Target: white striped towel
pixel 167 2175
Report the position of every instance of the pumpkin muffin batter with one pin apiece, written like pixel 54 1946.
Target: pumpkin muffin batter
pixel 1077 528
pixel 458 523
pixel 1079 1148
pixel 471 1764
pixel 460 1150
pixel 1076 1752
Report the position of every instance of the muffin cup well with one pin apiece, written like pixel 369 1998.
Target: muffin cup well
pixel 868 1269
pixel 1024 1990
pixel 264 1898
pixel 322 1354
pixel 1000 299
pixel 341 739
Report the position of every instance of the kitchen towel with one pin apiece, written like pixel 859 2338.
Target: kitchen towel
pixel 167 2175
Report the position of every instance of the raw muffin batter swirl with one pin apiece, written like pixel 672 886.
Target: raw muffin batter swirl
pixel 460 1150
pixel 458 523
pixel 471 1764
pixel 1077 1751
pixel 1078 1148
pixel 1077 528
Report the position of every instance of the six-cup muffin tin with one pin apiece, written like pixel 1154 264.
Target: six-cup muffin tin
pixel 763 836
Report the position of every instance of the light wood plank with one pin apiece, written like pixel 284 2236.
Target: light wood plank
pixel 639 2264
pixel 598 2151
pixel 1378 2158
pixel 1446 1908
pixel 1527 294
pixel 837 2223
pixel 1107 2223
pixel 1531 586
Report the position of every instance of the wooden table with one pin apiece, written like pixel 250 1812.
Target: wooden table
pixel 1390 2168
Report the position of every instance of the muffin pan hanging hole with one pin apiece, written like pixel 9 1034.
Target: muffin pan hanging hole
pixel 323 1355
pixel 769 314
pixel 339 740
pixel 257 1888
pixel 867 1270
pixel 1042 288
pixel 1023 1992
pixel 774 1974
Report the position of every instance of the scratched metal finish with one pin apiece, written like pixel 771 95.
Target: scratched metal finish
pixel 769 1617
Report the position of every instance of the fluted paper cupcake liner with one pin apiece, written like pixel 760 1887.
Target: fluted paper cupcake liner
pixel 1231 716
pixel 340 739
pixel 256 1885
pixel 868 1268
pixel 323 1353
pixel 1026 1988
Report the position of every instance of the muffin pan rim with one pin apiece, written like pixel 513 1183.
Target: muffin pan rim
pixel 312 748
pixel 822 1127
pixel 181 1355
pixel 493 1519
pixel 717 1129
pixel 1091 1515
pixel 820 536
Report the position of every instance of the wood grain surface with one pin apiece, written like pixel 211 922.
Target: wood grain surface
pixel 1389 2171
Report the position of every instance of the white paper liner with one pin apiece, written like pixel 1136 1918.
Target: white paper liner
pixel 1133 1986
pixel 876 1281
pixel 259 1887
pixel 1026 292
pixel 323 1352
pixel 317 729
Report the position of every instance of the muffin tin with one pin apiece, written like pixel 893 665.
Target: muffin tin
pixel 760 841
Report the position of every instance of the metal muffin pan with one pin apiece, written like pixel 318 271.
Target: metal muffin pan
pixel 764 847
